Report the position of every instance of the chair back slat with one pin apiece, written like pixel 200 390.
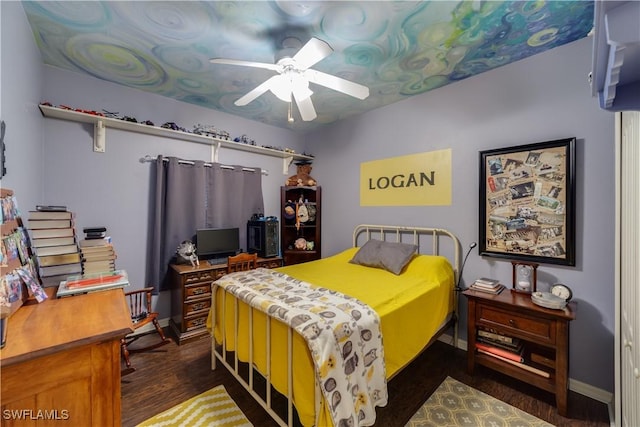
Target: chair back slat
pixel 139 302
pixel 242 262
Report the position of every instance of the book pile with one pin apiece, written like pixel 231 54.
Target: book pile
pixel 508 349
pixel 53 240
pixel 98 254
pixel 491 286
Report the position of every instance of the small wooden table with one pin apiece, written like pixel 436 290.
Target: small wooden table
pixel 62 360
pixel 544 333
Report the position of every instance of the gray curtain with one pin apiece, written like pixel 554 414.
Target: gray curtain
pixel 190 195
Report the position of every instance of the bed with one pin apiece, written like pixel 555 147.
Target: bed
pixel 254 336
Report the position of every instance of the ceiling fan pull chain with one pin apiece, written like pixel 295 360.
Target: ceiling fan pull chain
pixel 290 117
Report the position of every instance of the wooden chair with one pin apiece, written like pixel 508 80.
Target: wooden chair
pixel 242 262
pixel 139 303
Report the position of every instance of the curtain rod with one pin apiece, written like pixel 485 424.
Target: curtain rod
pixel 149 159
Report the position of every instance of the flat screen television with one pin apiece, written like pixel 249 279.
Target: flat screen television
pixel 217 242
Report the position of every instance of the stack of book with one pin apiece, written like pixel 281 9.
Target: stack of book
pixel 98 254
pixel 509 344
pixel 53 240
pixel 491 286
pixel 505 348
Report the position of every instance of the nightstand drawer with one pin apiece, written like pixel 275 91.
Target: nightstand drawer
pixel 196 322
pixel 198 276
pixel 197 291
pixel 218 274
pixel 536 329
pixel 194 307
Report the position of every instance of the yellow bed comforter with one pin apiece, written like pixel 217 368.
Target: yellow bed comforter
pixel 412 306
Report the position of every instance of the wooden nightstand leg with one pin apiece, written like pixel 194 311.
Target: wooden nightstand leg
pixel 562 367
pixel 471 336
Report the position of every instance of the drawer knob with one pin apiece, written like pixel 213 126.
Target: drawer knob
pixel 636 373
pixel 628 344
pixel 512 322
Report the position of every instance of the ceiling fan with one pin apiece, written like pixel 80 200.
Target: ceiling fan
pixel 295 74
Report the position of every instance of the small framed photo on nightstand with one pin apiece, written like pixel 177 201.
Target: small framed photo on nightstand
pixel 524 276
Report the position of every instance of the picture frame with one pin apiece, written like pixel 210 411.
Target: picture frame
pixel 525 276
pixel 527 202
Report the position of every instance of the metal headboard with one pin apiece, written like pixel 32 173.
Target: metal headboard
pixel 409 234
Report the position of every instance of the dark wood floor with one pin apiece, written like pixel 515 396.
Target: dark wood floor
pixel 173 373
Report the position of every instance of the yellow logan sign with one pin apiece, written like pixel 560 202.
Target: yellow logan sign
pixel 422 179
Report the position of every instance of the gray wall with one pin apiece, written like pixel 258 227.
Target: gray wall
pixel 21 86
pixel 537 99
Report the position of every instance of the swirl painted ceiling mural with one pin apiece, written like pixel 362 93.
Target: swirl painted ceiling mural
pixel 397 49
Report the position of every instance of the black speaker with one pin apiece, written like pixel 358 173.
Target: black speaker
pixel 262 237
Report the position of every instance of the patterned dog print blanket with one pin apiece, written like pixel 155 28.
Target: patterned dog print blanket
pixel 343 335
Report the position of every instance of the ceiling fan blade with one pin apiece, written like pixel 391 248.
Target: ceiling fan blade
pixel 305 106
pixel 273 67
pixel 312 52
pixel 337 83
pixel 259 90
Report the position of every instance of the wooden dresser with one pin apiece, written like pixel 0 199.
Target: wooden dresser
pixel 61 363
pixel 191 295
pixel 544 333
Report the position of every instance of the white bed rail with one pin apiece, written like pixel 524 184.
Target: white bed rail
pixel 221 353
pixel 364 232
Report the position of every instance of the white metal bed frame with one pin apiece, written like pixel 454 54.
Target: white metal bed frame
pixel 220 352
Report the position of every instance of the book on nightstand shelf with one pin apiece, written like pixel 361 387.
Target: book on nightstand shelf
pixel 496 337
pixel 512 355
pixel 517 347
pixel 529 368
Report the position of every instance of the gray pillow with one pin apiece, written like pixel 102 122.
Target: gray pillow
pixel 390 256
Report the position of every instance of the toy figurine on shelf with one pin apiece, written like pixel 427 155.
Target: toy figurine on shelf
pixel 302 177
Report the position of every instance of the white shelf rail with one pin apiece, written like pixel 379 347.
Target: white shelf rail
pixel 100 125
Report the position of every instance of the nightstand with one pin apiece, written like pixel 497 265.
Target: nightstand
pixel 543 332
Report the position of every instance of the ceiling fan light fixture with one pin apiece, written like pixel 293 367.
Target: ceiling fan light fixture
pixel 300 86
pixel 288 83
pixel 281 88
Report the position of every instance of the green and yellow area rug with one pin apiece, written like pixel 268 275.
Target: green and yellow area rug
pixel 454 404
pixel 211 408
